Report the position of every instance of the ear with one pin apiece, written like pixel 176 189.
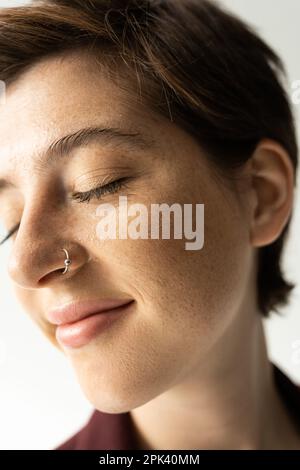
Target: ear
pixel 272 176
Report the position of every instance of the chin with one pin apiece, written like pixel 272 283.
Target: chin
pixel 115 390
pixel 109 396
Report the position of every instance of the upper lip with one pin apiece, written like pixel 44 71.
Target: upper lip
pixel 75 311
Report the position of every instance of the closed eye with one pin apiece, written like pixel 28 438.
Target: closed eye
pixel 81 197
pixel 98 192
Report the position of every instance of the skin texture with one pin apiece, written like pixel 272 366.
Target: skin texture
pixel 189 360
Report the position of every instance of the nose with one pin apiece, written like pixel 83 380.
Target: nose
pixel 44 263
pixel 37 258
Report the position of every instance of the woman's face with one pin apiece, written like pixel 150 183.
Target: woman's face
pixel 184 299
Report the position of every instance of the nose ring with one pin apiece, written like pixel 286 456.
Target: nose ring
pixel 67 261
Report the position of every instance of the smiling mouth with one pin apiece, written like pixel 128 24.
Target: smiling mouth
pixel 80 332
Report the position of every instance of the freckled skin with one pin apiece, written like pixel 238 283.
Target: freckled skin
pixel 188 303
pixel 180 294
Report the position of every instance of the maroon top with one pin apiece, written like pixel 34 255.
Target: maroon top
pixel 107 431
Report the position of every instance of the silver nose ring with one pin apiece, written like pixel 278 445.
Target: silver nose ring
pixel 67 261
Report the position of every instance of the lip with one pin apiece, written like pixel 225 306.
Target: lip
pixel 88 319
pixel 75 311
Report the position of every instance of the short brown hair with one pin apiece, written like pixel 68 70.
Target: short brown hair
pixel 218 79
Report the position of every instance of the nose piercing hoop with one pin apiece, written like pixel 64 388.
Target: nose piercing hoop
pixel 67 261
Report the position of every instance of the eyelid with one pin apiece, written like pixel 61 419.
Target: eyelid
pixel 97 192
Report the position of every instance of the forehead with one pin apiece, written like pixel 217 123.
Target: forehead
pixel 63 93
pixel 64 87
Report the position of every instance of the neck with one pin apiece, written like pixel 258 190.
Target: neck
pixel 228 402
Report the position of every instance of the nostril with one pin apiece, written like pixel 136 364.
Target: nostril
pixel 48 277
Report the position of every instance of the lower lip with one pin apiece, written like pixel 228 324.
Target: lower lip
pixel 79 333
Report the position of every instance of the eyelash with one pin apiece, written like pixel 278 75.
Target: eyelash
pixel 13 230
pixel 97 193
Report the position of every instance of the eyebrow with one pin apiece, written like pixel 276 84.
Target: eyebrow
pixel 62 147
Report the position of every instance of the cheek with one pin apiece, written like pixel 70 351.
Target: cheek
pixel 190 288
pixel 196 292
pixel 199 283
